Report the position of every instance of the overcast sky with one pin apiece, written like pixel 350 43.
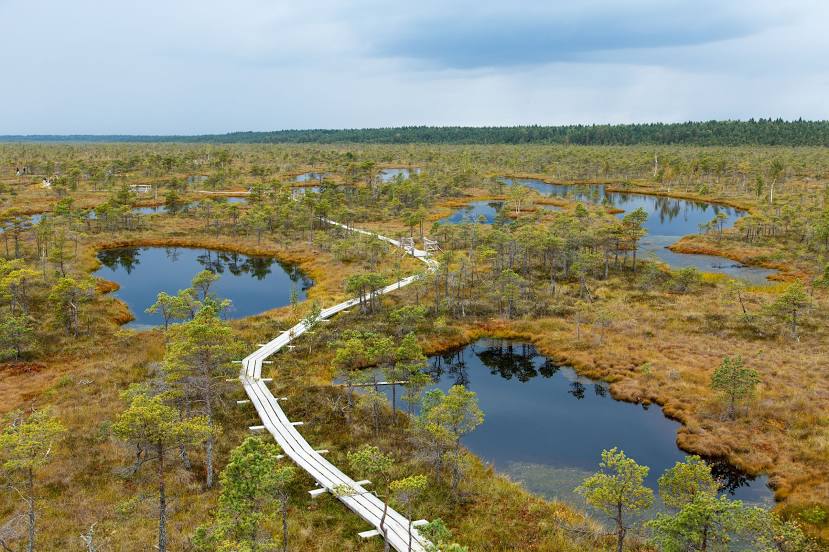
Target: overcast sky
pixel 204 66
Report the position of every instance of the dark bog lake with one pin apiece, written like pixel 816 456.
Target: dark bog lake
pixel 254 284
pixel 668 220
pixel 156 209
pixel 387 175
pixel 485 212
pixel 309 176
pixel 546 426
pixel 476 211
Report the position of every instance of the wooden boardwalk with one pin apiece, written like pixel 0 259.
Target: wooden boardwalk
pixel 328 476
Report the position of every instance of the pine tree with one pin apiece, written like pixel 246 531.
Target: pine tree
pixel 148 424
pixel 618 490
pixel 735 382
pixel 26 446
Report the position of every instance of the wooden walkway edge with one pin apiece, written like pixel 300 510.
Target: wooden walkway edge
pixel 328 476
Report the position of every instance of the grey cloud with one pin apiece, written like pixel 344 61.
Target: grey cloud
pixel 545 32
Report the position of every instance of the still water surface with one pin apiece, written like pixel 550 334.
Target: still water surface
pixel 387 175
pixel 309 176
pixel 254 284
pixel 476 211
pixel 546 426
pixel 668 220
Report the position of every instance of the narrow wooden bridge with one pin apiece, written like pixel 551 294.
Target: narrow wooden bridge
pixel 361 501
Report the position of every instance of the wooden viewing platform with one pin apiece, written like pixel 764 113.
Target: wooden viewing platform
pixel 274 420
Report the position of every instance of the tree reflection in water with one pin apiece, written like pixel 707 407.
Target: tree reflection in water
pixel 257 266
pixel 729 477
pixel 503 358
pixel 124 257
pixel 451 364
pixel 507 360
pixel 521 362
pixel 252 283
pixel 577 389
pixel 663 210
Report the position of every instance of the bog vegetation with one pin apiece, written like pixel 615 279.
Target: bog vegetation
pixel 115 439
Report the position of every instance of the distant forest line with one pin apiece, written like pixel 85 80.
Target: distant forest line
pixel 766 132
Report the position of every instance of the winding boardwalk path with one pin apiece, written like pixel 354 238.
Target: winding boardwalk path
pixel 276 422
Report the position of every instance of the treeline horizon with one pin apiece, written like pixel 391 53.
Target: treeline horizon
pixel 761 132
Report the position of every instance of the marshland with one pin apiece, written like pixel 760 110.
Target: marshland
pixel 663 305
